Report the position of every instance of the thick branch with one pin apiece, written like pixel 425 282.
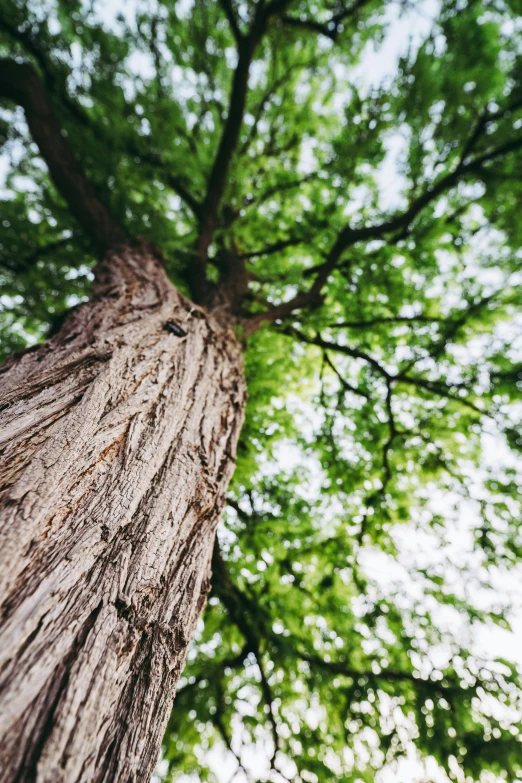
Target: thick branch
pixel 218 175
pixel 276 313
pixel 217 180
pixel 54 82
pixel 19 82
pixel 349 236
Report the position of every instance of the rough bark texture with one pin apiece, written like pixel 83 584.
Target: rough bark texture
pixel 118 440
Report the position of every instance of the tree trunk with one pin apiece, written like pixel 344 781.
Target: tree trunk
pixel 118 440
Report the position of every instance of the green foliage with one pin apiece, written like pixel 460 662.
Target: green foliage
pixel 376 503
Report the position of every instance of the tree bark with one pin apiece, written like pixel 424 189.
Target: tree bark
pixel 117 442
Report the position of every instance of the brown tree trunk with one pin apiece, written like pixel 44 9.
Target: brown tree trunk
pixel 117 443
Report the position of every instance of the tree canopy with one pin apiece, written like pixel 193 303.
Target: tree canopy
pixel 375 508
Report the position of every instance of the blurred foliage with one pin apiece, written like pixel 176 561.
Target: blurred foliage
pixel 374 514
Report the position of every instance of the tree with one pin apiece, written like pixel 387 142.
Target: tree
pixel 218 169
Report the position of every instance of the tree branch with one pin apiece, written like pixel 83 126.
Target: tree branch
pixel 228 8
pixel 227 145
pixel 344 383
pixel 275 247
pixel 388 675
pixel 54 79
pixel 20 83
pixel 246 46
pixel 242 612
pixel 349 236
pixel 330 29
pixel 280 187
pixel 413 319
pixel 24 264
pixel 172 180
pixel 218 719
pixel 266 98
pixel 439 388
pixel 347 350
pixel 483 119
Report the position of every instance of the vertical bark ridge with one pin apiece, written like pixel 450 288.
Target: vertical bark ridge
pixel 117 443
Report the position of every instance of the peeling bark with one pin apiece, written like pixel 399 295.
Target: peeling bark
pixel 117 442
